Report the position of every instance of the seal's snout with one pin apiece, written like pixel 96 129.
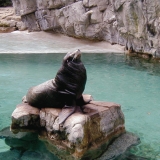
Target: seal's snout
pixel 77 55
pixel 73 56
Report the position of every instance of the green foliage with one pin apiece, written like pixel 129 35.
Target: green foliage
pixel 5 3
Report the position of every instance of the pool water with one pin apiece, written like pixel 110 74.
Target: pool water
pixel 132 82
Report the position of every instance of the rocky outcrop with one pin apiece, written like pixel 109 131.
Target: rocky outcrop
pixel 134 24
pixel 82 135
pixel 9 21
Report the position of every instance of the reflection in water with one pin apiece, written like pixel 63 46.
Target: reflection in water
pixel 129 81
pixel 143 65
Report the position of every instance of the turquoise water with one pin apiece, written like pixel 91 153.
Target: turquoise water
pixel 134 83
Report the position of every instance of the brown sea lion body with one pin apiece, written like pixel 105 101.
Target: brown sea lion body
pixel 65 90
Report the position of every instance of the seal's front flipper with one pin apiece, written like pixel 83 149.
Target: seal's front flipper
pixel 66 112
pixel 24 99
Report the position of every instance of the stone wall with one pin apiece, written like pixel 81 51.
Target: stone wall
pixel 9 22
pixel 134 24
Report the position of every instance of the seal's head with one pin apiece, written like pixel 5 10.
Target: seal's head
pixel 72 57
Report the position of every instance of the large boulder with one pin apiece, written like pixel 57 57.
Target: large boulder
pixel 23 7
pixel 82 135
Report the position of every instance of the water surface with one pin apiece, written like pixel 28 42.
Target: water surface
pixel 134 83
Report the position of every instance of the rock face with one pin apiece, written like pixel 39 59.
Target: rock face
pixel 9 21
pixel 82 136
pixel 134 24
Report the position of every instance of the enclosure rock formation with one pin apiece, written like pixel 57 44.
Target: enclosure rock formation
pixel 81 136
pixel 9 21
pixel 134 24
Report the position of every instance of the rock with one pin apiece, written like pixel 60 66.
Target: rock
pixel 102 5
pixel 92 3
pixel 45 19
pixel 120 146
pixel 23 7
pixel 25 117
pixel 21 26
pixel 30 22
pixel 96 16
pixel 82 135
pixel 78 133
pixel 42 4
pixel 7 29
pixel 136 24
pixel 59 3
pixel 94 32
pixel 67 21
pixel 10 22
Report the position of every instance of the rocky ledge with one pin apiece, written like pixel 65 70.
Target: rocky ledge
pixel 82 136
pixel 9 21
pixel 131 23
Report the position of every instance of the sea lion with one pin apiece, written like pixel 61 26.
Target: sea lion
pixel 65 90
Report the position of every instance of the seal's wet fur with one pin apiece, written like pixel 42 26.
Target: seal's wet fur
pixel 65 91
pixel 71 77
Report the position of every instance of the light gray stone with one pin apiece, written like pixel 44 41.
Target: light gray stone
pixel 24 7
pixel 25 117
pixel 96 16
pixel 94 31
pixel 17 6
pixel 119 146
pixel 102 5
pixel 45 19
pixel 86 3
pixel 42 4
pixel 66 19
pixel 21 26
pixel 31 22
pixel 55 4
pixel 92 3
